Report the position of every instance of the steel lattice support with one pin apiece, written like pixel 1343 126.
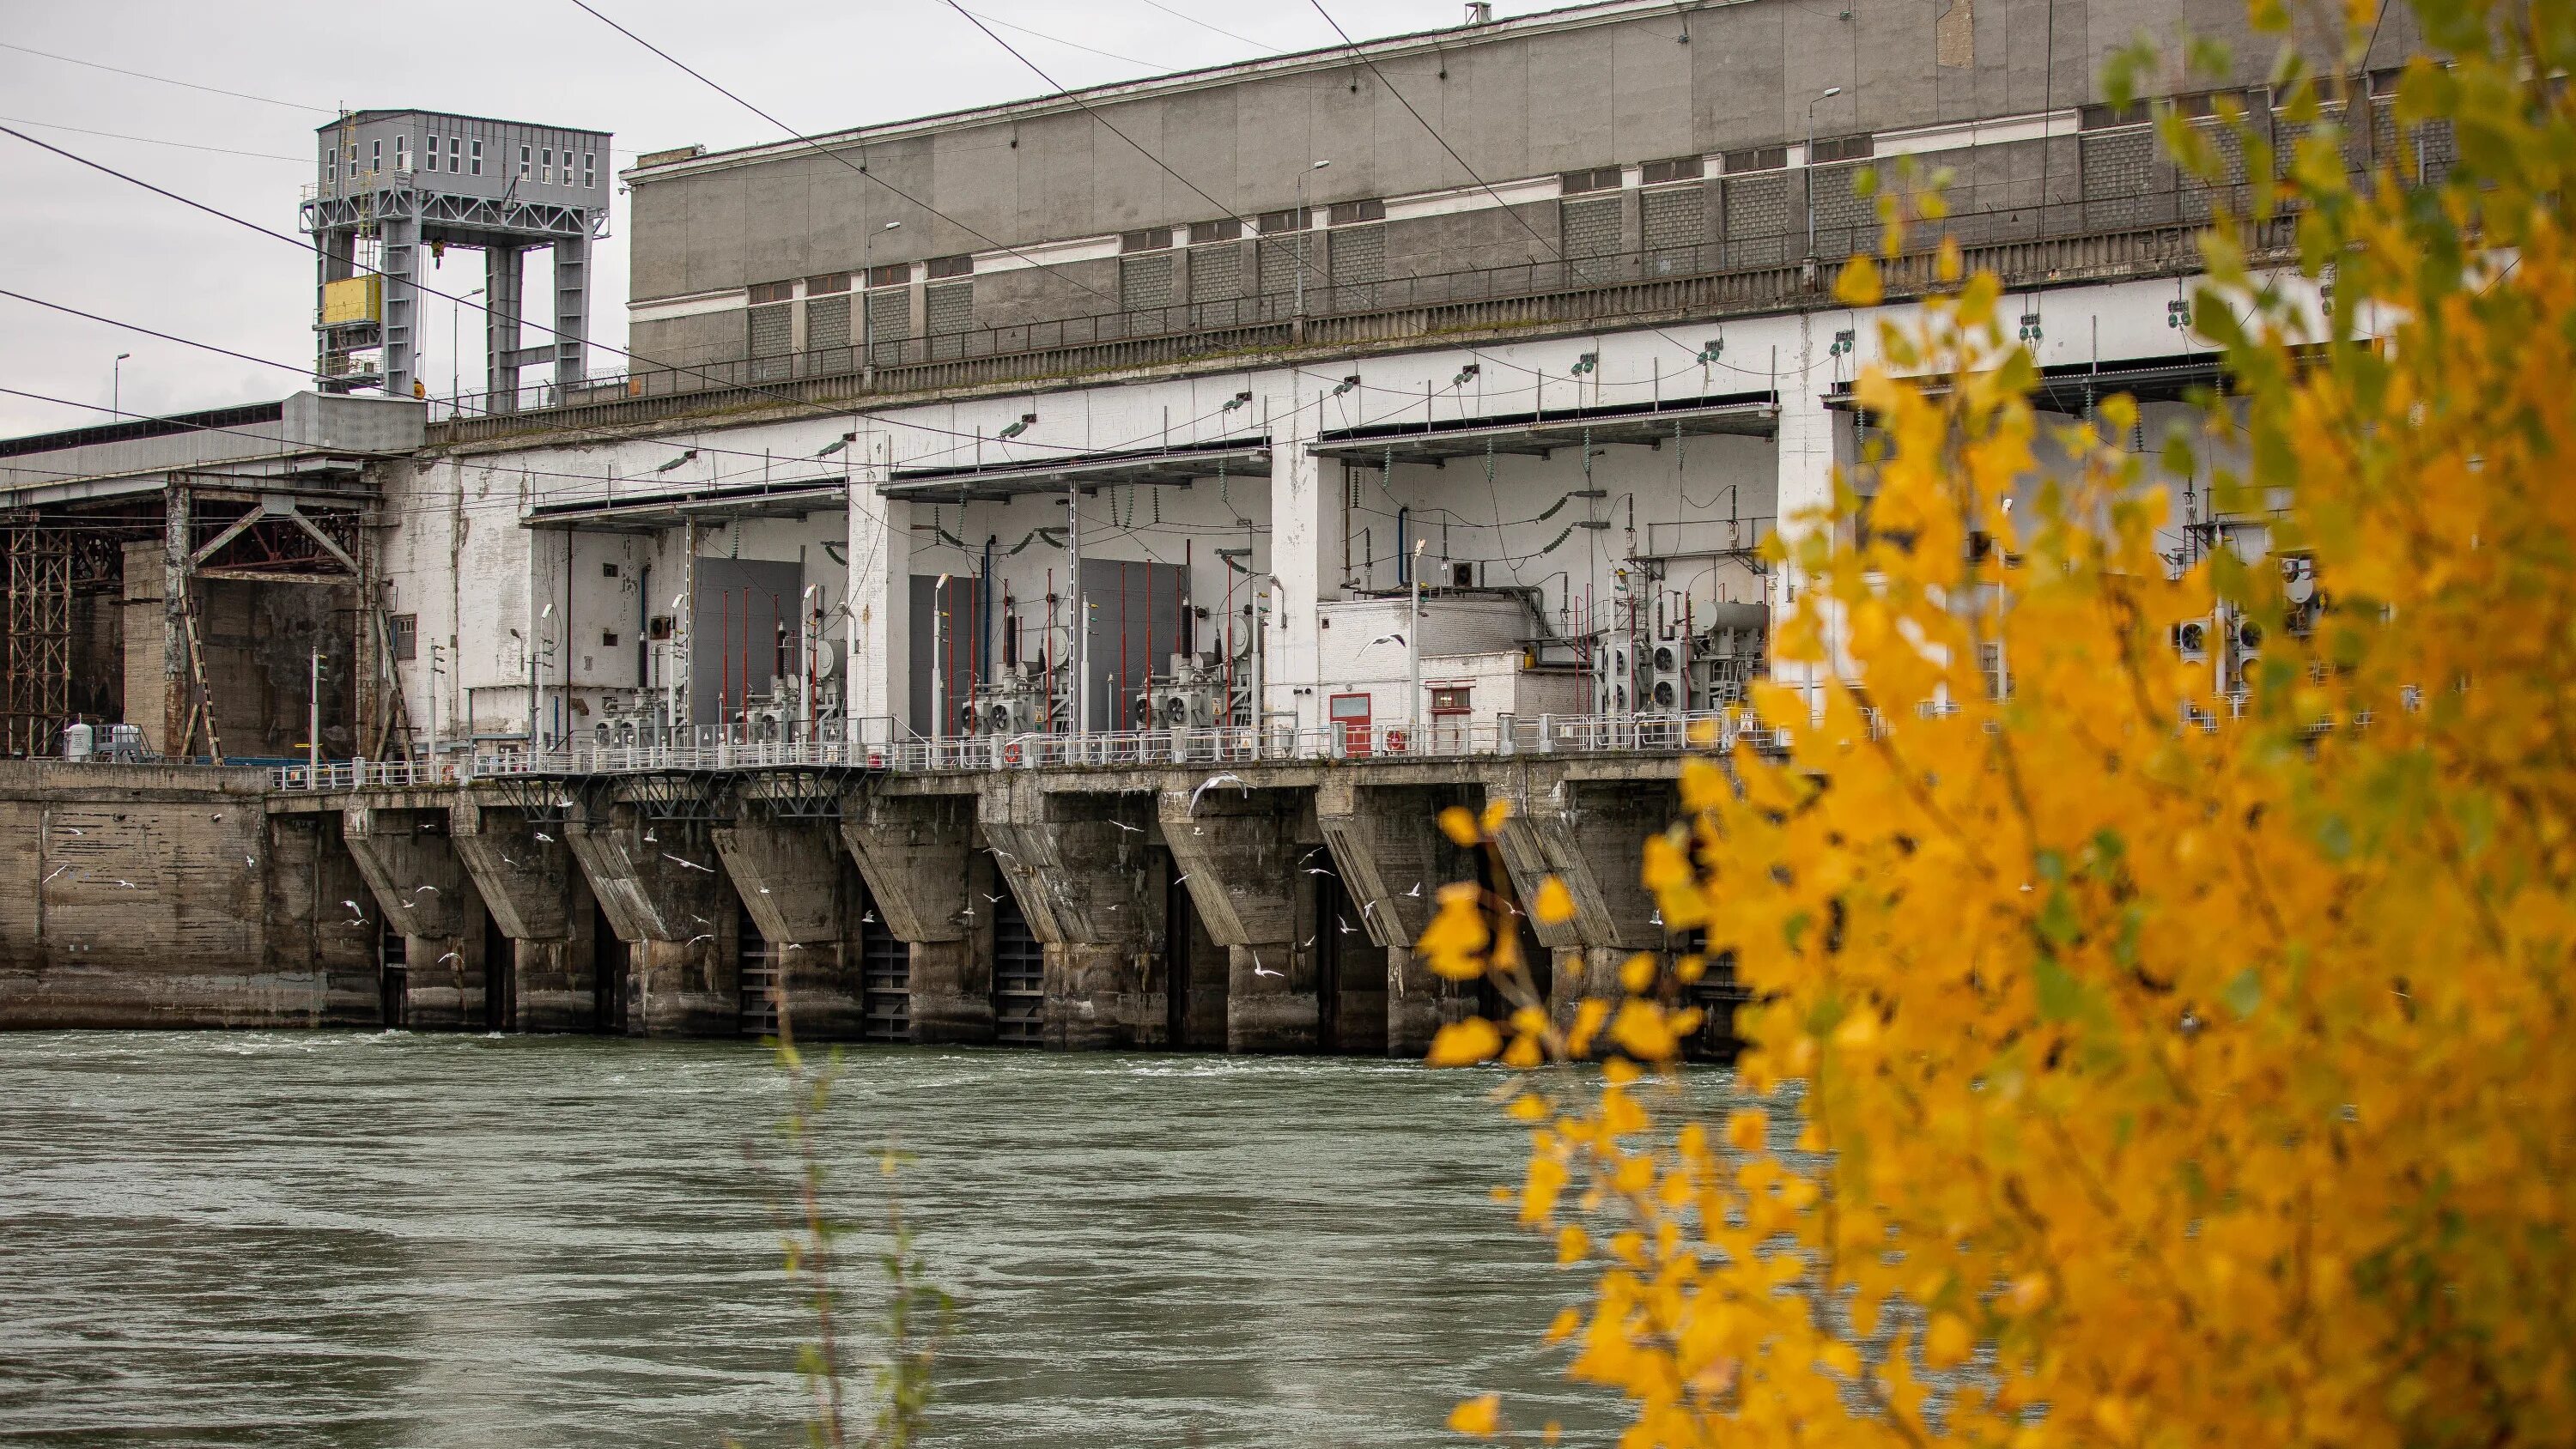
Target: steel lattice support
pixel 38 679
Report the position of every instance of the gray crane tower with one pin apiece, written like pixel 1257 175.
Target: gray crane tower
pixel 394 185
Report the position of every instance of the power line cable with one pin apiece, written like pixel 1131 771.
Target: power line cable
pixel 1362 57
pixel 1066 92
pixel 1071 44
pixel 304 372
pixel 803 139
pixel 1218 29
pixel 301 245
pixel 155 140
pixel 167 81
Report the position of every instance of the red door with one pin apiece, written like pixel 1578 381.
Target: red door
pixel 1351 713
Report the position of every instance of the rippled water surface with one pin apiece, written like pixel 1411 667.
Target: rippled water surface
pixel 420 1240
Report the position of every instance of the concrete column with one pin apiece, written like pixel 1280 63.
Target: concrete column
pixel 915 852
pixel 535 890
pixel 667 896
pixel 1240 853
pixel 1806 451
pixel 572 311
pixel 880 597
pixel 1305 555
pixel 307 873
pixel 178 549
pixel 1590 834
pixel 1080 866
pixel 504 276
pixel 799 888
pixel 419 882
pixel 1387 845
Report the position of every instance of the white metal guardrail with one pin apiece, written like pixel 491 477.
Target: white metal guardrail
pixel 1229 745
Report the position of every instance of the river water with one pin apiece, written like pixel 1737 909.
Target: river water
pixel 403 1240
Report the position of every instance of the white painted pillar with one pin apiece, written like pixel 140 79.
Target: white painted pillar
pixel 1806 455
pixel 880 596
pixel 1305 557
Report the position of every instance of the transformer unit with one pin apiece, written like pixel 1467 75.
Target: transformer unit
pixel 1021 699
pixel 1614 676
pixel 1729 654
pixel 782 713
pixel 1667 675
pixel 632 717
pixel 1192 696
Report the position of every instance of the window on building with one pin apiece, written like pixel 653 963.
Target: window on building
pixel 1588 230
pixel 1145 281
pixel 476 159
pixel 526 155
pixel 455 148
pixel 402 633
pixel 331 166
pixel 546 165
pixel 1450 698
pixel 429 153
pixel 402 153
pixel 376 154
pixel 1601 178
pixel 589 169
pixel 827 315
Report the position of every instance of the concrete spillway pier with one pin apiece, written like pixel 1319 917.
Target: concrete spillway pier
pixel 1250 907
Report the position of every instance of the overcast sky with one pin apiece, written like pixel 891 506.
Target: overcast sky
pixel 72 236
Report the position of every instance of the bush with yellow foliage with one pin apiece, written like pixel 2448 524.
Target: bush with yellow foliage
pixel 2144 1066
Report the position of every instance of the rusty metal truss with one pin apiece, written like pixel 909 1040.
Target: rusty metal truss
pixel 36 678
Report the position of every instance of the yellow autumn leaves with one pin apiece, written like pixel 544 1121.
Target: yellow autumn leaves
pixel 2137 1054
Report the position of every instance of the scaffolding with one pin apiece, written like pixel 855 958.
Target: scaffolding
pixel 38 679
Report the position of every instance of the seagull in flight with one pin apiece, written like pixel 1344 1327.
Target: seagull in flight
pixel 1416 892
pixel 1383 639
pixel 691 864
pixel 868 919
pixel 1260 970
pixel 548 839
pixel 693 940
pixel 1210 783
pixel 1346 926
pixel 419 889
pixel 1130 829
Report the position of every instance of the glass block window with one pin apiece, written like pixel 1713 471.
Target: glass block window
pixel 1145 281
pixel 1358 265
pixel 1588 232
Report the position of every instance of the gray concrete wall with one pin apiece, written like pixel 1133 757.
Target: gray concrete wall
pixel 145 896
pixel 1617 84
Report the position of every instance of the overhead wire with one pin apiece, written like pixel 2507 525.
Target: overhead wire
pixel 833 152
pixel 1067 93
pixel 1218 29
pixel 167 81
pixel 301 245
pixel 305 372
pixel 156 141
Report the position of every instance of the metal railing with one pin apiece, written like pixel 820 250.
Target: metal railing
pixel 2151 230
pixel 1543 735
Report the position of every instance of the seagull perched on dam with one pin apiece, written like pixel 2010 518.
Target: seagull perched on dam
pixel 1210 783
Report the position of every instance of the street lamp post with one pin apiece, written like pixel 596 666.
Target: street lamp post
pixel 1830 93
pixel 1303 226
pixel 116 385
pixel 867 311
pixel 938 673
pixel 1413 647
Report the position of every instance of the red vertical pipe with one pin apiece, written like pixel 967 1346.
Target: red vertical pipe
pixel 1123 686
